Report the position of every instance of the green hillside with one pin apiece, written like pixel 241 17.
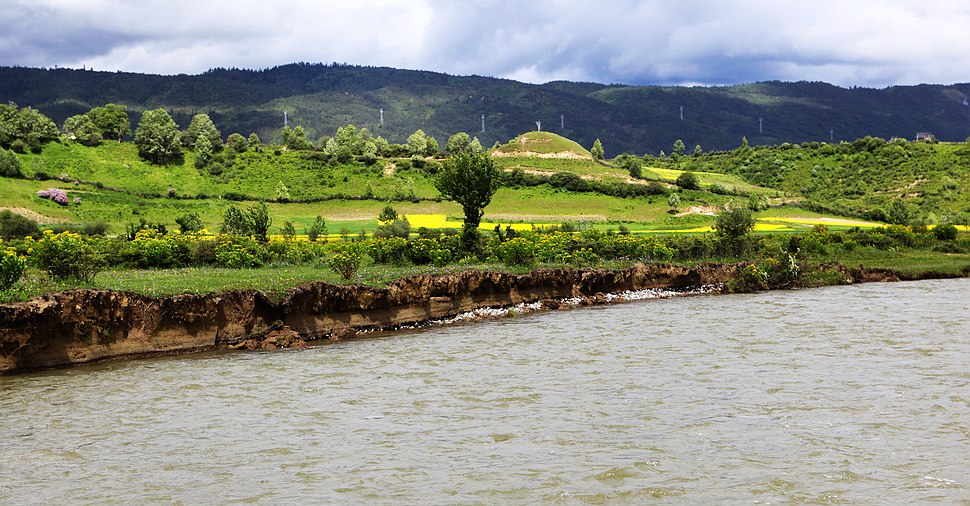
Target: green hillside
pixel 633 119
pixel 869 178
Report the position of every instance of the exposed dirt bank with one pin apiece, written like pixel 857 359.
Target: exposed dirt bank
pixel 84 326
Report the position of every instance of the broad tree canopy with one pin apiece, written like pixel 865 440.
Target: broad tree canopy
pixel 469 179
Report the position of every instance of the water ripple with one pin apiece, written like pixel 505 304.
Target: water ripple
pixel 842 395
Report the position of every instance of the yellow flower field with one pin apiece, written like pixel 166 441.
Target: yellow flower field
pixel 442 221
pixel 672 173
pixel 826 221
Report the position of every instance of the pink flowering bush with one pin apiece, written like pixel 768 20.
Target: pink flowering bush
pixel 55 194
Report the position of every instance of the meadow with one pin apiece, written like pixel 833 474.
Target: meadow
pixel 570 211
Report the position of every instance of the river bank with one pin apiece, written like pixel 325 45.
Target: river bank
pixel 85 326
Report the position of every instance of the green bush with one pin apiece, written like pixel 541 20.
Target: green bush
pixel 750 279
pixel 583 257
pixel 688 181
pixel 390 250
pixel 399 227
pixel 15 226
pixel 12 268
pixel 317 229
pixel 9 164
pixel 234 256
pixel 945 232
pixel 346 262
pixel 254 221
pixel 191 222
pixel 68 255
pixel 441 257
pixel 151 249
pixel 517 251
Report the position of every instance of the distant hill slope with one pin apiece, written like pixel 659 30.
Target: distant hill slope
pixel 636 119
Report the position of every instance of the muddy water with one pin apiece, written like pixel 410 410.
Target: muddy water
pixel 857 395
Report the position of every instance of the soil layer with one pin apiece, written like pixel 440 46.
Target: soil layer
pixel 84 326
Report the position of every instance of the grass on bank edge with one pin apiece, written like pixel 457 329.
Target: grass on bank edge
pixel 275 281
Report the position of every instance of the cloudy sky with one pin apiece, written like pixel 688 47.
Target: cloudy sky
pixel 846 42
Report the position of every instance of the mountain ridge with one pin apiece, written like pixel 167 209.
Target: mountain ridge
pixel 635 119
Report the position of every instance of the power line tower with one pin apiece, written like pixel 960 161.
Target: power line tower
pixel 562 121
pixel 483 123
pixel 285 120
pixel 382 116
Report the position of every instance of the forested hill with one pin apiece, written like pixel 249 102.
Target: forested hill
pixel 635 119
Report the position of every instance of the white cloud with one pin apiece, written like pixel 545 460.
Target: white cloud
pixel 865 42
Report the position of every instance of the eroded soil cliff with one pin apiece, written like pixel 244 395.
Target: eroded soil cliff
pixel 84 326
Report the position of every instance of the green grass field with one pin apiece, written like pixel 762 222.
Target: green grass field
pixel 118 188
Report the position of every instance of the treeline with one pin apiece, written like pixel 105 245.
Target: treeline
pixel 634 119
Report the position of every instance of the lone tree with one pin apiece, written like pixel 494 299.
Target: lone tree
pixel 469 179
pixel 157 137
pixel 733 226
pixel 597 150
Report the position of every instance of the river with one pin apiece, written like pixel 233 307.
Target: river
pixel 840 395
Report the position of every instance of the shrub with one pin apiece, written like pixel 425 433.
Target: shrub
pixel 388 214
pixel 254 221
pixel 68 255
pixel 441 257
pixel 346 262
pixel 688 181
pixel 569 181
pixel 12 268
pixel 396 228
pixel 945 232
pixel 150 249
pixel 9 164
pixel 583 257
pixel 318 228
pixel 234 256
pixel 757 202
pixel 132 229
pixel 237 142
pixel 635 171
pixel 749 279
pixel 421 250
pixel 780 274
pixel 92 229
pixel 518 251
pixel 55 194
pixel 391 250
pixel 732 227
pixel 189 223
pixel 15 226
pixel 288 230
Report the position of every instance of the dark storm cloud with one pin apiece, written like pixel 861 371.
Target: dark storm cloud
pixel 43 35
pixel 864 42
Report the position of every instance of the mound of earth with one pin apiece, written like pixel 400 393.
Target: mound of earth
pixel 542 145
